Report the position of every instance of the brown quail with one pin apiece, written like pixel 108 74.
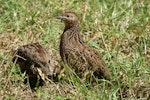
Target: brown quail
pixel 78 54
pixel 36 61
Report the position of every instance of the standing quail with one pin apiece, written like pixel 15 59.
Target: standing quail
pixel 78 54
pixel 36 61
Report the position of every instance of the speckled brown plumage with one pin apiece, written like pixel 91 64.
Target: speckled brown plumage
pixel 79 55
pixel 36 61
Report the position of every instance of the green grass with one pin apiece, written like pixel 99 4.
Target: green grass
pixel 120 30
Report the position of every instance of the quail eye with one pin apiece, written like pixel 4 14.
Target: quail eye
pixel 67 15
pixel 49 61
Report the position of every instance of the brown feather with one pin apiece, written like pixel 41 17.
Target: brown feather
pixel 76 53
pixel 35 60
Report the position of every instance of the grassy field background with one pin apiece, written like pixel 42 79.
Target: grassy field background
pixel 120 30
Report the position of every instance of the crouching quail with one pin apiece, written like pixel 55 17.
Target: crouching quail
pixel 37 62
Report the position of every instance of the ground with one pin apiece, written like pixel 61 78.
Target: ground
pixel 119 30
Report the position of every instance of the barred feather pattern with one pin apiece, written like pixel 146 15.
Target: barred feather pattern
pixel 78 54
pixel 34 57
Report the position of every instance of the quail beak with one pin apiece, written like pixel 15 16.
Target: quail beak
pixel 61 17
